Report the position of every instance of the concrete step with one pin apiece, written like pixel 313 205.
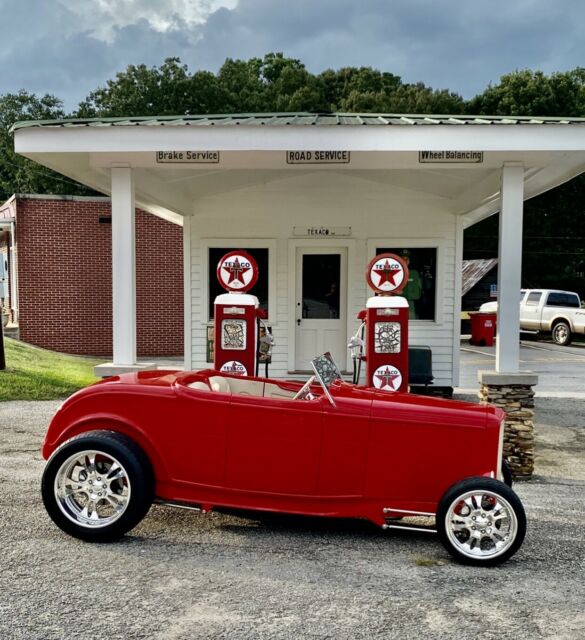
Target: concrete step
pixel 12 331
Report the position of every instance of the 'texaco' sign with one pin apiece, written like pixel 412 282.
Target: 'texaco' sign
pixel 237 271
pixel 387 273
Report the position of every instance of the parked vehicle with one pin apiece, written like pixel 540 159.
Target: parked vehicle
pixel 548 311
pixel 205 441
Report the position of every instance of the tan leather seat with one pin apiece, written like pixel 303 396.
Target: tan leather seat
pixel 201 386
pixel 217 383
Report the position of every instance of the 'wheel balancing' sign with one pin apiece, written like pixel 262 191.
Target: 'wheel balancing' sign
pixel 387 273
pixel 237 271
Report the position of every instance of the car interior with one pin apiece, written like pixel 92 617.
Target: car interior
pixel 325 368
pixel 242 386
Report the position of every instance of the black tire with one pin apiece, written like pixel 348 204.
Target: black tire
pixel 507 473
pixel 455 527
pixel 130 486
pixel 561 333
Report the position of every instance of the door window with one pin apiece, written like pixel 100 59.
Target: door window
pixel 561 299
pixel 320 286
pixel 533 299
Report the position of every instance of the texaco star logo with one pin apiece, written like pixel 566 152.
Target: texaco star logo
pixel 387 273
pixel 237 271
pixel 234 367
pixel 387 378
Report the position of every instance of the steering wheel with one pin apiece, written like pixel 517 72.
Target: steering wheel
pixel 304 391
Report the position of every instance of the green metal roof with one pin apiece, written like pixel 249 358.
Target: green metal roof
pixel 293 119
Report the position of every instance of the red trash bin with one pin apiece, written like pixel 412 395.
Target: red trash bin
pixel 483 328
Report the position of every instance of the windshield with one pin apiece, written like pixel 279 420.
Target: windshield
pixel 326 369
pixel 327 372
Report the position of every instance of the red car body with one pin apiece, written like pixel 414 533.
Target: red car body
pixel 373 455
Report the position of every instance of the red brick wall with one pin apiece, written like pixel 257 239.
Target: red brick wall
pixel 65 278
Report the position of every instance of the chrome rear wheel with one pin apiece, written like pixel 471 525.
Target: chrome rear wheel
pixel 561 333
pixel 481 521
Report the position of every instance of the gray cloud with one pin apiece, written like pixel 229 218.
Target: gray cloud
pixel 69 48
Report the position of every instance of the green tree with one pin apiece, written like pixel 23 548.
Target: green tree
pixel 357 89
pixel 18 174
pixel 166 90
pixel 274 83
pixel 532 93
pixel 420 99
pixel 554 222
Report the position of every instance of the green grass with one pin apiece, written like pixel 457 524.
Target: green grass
pixel 37 374
pixel 419 561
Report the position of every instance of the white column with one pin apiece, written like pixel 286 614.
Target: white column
pixel 13 273
pixel 457 306
pixel 510 268
pixel 187 322
pixel 123 267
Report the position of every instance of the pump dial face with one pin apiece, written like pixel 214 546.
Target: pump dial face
pixel 237 271
pixel 387 377
pixel 387 273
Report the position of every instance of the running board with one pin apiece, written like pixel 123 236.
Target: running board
pixel 408 527
pixel 398 521
pixel 179 505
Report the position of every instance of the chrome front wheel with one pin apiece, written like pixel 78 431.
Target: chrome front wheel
pixel 97 486
pixel 92 488
pixel 481 521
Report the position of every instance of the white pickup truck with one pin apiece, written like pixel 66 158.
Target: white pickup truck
pixel 548 310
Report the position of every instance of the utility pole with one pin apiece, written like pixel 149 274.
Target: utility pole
pixel 2 354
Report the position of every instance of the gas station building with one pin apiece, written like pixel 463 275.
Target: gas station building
pixel 314 198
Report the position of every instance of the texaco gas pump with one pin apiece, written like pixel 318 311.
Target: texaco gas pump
pixel 236 313
pixel 385 325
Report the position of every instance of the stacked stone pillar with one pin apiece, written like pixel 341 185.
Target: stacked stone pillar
pixel 514 393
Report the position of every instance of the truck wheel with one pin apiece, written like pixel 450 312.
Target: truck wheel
pixel 481 521
pixel 98 486
pixel 561 333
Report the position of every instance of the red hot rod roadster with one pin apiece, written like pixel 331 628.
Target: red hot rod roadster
pixel 206 440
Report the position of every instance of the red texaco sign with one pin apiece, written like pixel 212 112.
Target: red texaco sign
pixel 234 367
pixel 387 378
pixel 387 273
pixel 237 271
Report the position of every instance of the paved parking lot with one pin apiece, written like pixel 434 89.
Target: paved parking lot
pixel 180 575
pixel 561 369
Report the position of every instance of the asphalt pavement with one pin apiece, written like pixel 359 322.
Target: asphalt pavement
pixel 184 576
pixel 561 370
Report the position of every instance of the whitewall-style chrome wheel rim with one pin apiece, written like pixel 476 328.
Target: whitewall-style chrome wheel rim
pixel 92 489
pixel 481 524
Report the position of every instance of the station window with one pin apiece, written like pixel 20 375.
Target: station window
pixel 260 289
pixel 422 283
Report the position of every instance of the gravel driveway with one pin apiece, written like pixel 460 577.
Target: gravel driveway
pixel 180 575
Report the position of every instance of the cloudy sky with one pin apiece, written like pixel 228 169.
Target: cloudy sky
pixel 69 47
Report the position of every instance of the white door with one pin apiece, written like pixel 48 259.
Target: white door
pixel 320 305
